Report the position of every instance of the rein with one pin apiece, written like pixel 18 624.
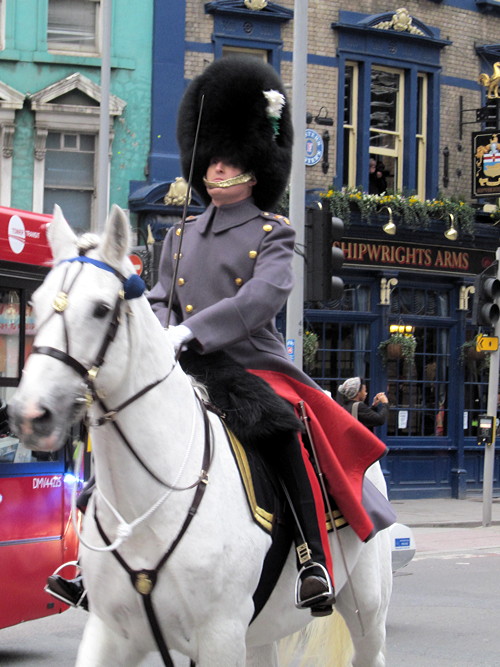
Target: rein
pixel 144 580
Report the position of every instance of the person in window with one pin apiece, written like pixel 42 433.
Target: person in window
pixel 352 396
pixel 234 275
pixel 377 181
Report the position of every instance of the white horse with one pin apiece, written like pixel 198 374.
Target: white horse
pixel 157 454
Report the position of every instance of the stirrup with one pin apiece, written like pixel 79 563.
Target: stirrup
pixel 326 598
pixel 70 603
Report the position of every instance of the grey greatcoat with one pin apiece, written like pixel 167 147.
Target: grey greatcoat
pixel 234 276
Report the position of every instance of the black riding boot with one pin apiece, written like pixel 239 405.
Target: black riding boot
pixel 314 588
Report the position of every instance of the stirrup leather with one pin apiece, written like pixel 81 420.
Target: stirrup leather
pixel 327 597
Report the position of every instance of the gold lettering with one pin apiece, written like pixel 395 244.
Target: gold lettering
pixel 401 255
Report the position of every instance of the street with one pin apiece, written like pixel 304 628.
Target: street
pixel 443 611
pixel 445 602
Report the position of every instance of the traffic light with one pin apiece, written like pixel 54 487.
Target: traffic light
pixel 323 260
pixel 485 309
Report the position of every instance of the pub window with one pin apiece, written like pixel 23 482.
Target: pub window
pixel 261 54
pixel 386 123
pixel 387 102
pixel 350 124
pixel 390 141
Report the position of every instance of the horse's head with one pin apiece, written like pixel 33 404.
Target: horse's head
pixel 77 312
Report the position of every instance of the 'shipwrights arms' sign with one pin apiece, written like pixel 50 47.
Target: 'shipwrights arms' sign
pixel 434 259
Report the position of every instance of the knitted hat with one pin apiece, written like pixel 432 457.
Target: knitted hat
pixel 245 120
pixel 350 388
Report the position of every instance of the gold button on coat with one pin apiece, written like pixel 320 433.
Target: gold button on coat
pixel 178 231
pixel 252 254
pixel 267 228
pixel 189 308
pixel 181 281
pixel 238 281
pixel 175 255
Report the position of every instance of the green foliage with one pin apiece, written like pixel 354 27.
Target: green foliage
pixel 309 348
pixel 412 212
pixel 408 344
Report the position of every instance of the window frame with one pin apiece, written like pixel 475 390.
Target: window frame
pixel 60 47
pixel 360 40
pixel 398 151
pixel 53 116
pixel 91 189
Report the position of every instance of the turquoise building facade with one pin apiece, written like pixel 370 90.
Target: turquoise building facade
pixel 50 72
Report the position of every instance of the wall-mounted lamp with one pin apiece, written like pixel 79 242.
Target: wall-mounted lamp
pixel 323 118
pixel 389 227
pixel 406 329
pixel 451 233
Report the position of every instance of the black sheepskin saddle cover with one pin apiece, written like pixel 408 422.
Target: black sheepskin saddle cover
pixel 252 410
pixel 259 423
pixel 260 420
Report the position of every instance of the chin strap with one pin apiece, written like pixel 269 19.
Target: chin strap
pixel 229 182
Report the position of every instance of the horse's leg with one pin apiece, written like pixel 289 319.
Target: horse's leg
pixel 102 647
pixel 372 584
pixel 262 656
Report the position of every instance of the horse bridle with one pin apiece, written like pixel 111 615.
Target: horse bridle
pixel 142 580
pixel 59 306
pixel 131 288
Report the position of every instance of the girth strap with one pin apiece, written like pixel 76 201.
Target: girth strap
pixel 144 581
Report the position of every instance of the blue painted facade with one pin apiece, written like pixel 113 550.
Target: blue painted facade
pixel 435 461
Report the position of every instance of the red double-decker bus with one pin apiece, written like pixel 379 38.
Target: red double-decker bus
pixel 36 532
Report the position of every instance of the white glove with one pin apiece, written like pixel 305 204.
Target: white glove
pixel 178 336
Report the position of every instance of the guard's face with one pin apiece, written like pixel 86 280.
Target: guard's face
pixel 221 169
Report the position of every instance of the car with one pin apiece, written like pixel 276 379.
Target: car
pixel 402 545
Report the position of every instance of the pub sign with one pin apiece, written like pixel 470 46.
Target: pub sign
pixel 485 164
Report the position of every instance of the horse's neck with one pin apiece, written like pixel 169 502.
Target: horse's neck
pixel 164 426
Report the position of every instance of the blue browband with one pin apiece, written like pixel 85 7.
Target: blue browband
pixel 133 286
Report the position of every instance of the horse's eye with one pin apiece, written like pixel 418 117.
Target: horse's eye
pixel 101 310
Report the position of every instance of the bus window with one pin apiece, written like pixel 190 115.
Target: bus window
pixel 16 338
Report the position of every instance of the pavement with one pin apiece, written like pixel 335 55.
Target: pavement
pixel 447 512
pixel 451 526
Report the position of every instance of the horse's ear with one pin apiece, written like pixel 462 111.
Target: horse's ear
pixel 62 238
pixel 116 240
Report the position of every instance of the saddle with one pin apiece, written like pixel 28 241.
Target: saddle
pixel 256 421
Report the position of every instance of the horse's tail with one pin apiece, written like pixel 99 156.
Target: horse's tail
pixel 325 642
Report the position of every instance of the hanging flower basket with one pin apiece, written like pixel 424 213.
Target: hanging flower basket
pixel 398 346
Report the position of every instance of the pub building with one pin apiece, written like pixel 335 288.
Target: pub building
pixel 393 97
pixel 418 282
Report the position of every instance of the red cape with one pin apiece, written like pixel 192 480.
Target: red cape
pixel 344 447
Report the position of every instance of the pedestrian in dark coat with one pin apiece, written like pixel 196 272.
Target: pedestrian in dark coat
pixel 352 396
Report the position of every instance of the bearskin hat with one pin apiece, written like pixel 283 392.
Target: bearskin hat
pixel 245 119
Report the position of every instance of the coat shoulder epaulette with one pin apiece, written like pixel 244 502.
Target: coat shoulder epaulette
pixel 191 218
pixel 275 217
